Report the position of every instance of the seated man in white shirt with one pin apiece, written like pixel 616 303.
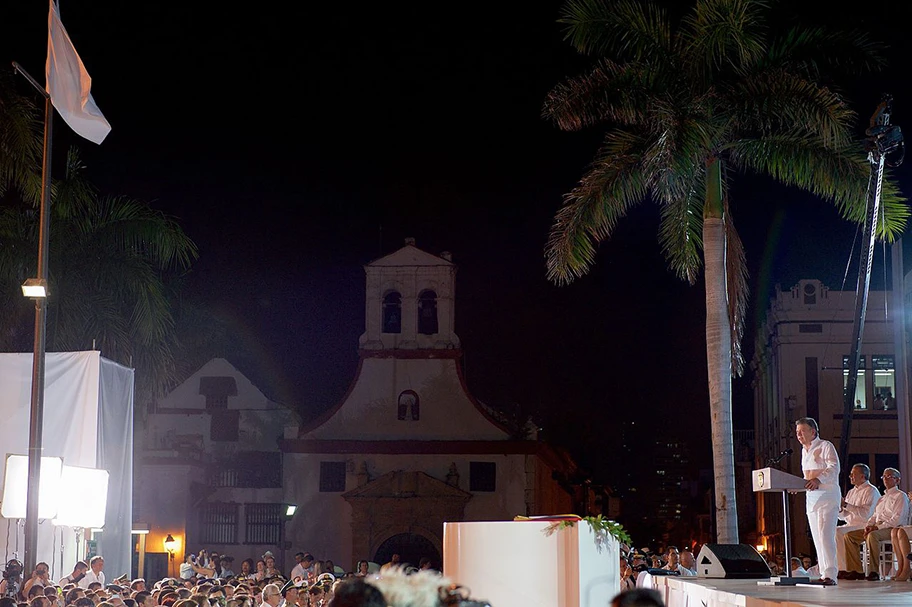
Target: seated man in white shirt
pixel 892 510
pixel 856 508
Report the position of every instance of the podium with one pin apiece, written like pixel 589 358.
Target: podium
pixel 520 564
pixel 773 480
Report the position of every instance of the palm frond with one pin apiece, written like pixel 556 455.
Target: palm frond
pixel 839 175
pixel 738 289
pixel 777 100
pixel 815 52
pixel 608 92
pixel 634 30
pixel 20 141
pixel 591 211
pixel 681 231
pixel 725 33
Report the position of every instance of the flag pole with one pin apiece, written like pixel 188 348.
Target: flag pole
pixel 36 412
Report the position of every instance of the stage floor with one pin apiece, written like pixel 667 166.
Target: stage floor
pixel 697 592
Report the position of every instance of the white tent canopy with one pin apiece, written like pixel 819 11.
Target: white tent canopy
pixel 88 422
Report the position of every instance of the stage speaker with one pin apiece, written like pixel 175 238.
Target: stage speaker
pixel 739 561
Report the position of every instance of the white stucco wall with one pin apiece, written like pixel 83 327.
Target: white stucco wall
pixel 322 524
pixel 370 411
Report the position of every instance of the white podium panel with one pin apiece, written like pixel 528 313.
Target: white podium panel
pixel 515 564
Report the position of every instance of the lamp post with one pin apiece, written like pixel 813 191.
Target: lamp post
pixel 169 548
pixel 36 412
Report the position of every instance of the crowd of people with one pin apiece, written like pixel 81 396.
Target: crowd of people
pixel 207 580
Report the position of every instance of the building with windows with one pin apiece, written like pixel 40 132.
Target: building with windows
pixel 800 368
pixel 209 471
pixel 408 447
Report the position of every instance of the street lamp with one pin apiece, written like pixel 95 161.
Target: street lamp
pixel 170 544
pixel 35 288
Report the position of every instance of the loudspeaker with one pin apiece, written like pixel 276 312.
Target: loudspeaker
pixel 739 561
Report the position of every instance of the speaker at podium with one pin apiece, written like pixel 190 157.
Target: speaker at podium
pixel 732 561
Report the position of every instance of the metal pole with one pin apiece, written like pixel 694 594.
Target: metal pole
pixel 900 368
pixel 36 414
pixel 787 533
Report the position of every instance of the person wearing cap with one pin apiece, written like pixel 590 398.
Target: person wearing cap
pixel 290 593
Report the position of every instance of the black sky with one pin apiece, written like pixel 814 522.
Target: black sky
pixel 298 141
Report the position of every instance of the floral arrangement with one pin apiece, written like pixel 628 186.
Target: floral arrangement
pixel 601 526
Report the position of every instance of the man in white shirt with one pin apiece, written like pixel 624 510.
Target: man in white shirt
pixel 688 562
pixel 79 571
pixel 820 466
pixel 272 595
pixel 95 573
pixel 892 510
pixel 856 508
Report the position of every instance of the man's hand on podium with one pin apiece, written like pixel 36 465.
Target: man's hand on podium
pixel 812 484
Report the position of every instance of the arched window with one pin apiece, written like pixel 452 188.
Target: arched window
pixel 392 313
pixel 427 313
pixel 408 400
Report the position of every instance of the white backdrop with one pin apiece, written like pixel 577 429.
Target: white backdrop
pixel 88 421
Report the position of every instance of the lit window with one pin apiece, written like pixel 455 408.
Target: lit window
pixel 860 401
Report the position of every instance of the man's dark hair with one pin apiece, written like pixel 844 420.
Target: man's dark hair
pixel 72 595
pixel 130 602
pixel 50 591
pixel 309 557
pixel 357 593
pixel 34 591
pixel 638 597
pixel 84 602
pixel 141 597
pixel 7 602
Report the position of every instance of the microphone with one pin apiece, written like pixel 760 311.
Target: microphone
pixel 776 460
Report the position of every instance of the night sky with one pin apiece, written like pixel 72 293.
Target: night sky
pixel 296 142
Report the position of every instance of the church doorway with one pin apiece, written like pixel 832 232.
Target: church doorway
pixel 410 547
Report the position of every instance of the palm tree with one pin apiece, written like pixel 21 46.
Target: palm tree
pixel 686 107
pixel 110 262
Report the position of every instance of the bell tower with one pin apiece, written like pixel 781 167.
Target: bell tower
pixel 409 301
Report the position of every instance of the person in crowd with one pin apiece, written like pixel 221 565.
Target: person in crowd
pixel 673 561
pixel 260 573
pixel 361 569
pixel 640 597
pixel 393 562
pixel 79 571
pixel 628 578
pixel 820 465
pixel 855 509
pixel 797 569
pixel 95 574
pixel 271 571
pixel 225 572
pixel 39 579
pixel 892 510
pixel 144 599
pixel 272 595
pixel 810 566
pixel 356 593
pixel 299 571
pixel 899 537
pixel 688 561
pixel 248 569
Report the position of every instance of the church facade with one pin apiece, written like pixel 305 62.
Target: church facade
pixel 408 447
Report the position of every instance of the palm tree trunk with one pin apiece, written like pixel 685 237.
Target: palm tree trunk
pixel 718 356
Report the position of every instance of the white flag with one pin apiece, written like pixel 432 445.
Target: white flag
pixel 69 84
